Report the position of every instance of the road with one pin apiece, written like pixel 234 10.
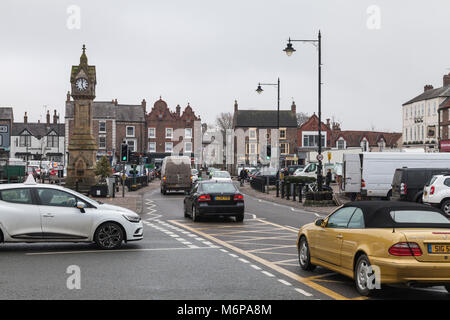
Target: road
pixel 213 259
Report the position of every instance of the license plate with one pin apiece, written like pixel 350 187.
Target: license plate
pixel 439 248
pixel 425 193
pixel 223 198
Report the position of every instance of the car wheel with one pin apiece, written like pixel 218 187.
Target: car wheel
pixel 363 277
pixel 109 236
pixel 195 216
pixel 446 207
pixel 304 257
pixel 239 217
pixel 185 211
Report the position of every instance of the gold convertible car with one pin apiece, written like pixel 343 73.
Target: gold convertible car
pixel 380 242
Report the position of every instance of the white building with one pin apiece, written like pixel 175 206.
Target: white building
pixel 421 118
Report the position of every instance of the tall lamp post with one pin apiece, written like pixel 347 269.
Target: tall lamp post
pixel 260 90
pixel 289 51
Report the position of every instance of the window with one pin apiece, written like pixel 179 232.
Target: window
pixel 282 133
pixel 284 148
pixel 25 141
pixel 169 133
pixel 188 147
pixel 357 220
pixel 340 144
pixel 340 218
pixel 102 142
pixel 253 148
pixel 130 131
pixel 21 196
pixel 188 133
pixel 102 127
pixel 1 140
pixel 364 145
pixel 52 141
pixel 151 132
pixel 252 133
pixel 169 147
pixel 312 140
pixel 152 147
pixel 131 145
pixel 56 198
pixel 418 216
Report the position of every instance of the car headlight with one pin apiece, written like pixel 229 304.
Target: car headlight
pixel 132 218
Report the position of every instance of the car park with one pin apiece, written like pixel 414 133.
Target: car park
pixel 406 242
pixel 32 212
pixel 437 193
pixel 213 198
pixel 408 183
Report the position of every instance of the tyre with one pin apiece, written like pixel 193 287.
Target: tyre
pixel 239 217
pixel 109 236
pixel 195 216
pixel 445 207
pixel 304 257
pixel 186 215
pixel 363 276
pixel 164 191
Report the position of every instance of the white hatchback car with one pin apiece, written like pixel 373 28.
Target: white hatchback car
pixel 437 193
pixel 221 176
pixel 32 212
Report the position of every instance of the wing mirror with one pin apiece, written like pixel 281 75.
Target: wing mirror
pixel 319 222
pixel 81 206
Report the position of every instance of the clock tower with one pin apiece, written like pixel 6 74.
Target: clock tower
pixel 82 145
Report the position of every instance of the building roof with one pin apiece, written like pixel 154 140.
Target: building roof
pixel 431 94
pixel 353 138
pixel 109 110
pixel 38 129
pixel 6 113
pixel 264 119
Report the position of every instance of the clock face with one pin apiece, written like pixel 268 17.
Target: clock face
pixel 81 84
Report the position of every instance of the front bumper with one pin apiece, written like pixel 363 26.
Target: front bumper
pixel 408 270
pixel 134 231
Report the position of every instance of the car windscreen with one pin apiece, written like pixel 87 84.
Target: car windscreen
pixel 419 217
pixel 221 174
pixel 218 188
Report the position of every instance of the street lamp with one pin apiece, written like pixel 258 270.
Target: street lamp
pixel 289 51
pixel 260 90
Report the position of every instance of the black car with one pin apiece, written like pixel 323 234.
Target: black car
pixel 408 183
pixel 211 198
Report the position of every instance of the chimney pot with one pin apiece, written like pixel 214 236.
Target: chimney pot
pixel 446 80
pixel 25 118
pixel 144 106
pixel 236 106
pixel 294 108
pixel 48 117
pixel 55 117
pixel 427 87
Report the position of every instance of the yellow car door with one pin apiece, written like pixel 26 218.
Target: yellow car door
pixel 351 238
pixel 329 238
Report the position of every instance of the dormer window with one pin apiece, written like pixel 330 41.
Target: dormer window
pixel 365 145
pixel 341 143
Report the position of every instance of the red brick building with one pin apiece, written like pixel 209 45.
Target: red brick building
pixel 307 136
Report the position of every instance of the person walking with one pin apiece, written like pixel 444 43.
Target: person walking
pixel 328 178
pixel 242 176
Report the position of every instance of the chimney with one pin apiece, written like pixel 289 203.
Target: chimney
pixel 178 108
pixel 68 97
pixel 144 106
pixel 25 118
pixel 328 123
pixel 427 87
pixel 55 117
pixel 235 106
pixel 446 79
pixel 294 108
pixel 115 102
pixel 48 117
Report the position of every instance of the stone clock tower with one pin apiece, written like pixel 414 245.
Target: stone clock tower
pixel 82 145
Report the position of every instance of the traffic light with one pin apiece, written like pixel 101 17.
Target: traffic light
pixel 124 152
pixel 268 152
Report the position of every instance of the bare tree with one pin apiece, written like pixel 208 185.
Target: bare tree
pixel 302 117
pixel 224 121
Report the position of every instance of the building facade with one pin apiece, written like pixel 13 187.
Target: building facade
pixel 6 123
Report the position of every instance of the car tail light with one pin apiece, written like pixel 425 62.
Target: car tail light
pixel 405 249
pixel 432 190
pixel 403 188
pixel 363 183
pixel 238 197
pixel 204 197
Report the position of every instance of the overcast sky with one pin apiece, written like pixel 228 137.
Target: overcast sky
pixel 210 52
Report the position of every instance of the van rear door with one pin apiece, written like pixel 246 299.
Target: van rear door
pixel 352 173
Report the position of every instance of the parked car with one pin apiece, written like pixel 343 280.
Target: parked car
pixel 213 198
pixel 408 183
pixel 370 173
pixel 221 176
pixel 268 173
pixel 406 241
pixel 176 174
pixel 32 212
pixel 210 170
pixel 437 193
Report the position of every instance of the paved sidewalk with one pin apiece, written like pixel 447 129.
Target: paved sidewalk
pixel 271 196
pixel 133 199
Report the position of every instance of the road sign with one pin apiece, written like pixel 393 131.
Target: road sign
pixel 329 156
pixel 319 157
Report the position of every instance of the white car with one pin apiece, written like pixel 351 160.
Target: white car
pixel 194 175
pixel 437 193
pixel 221 176
pixel 32 212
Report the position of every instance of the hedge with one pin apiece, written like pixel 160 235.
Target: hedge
pixel 299 179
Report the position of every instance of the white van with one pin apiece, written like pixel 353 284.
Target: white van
pixel 371 173
pixel 310 170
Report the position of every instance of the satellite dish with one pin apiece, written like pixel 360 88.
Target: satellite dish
pixel 30 180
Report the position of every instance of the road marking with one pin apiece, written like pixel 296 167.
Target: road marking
pixel 223 250
pixel 243 260
pixel 285 282
pixel 233 255
pixel 255 267
pixel 267 263
pixel 268 274
pixel 303 292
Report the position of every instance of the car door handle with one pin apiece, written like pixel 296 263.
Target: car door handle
pixel 48 215
pixel 339 236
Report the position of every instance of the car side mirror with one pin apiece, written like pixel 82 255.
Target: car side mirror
pixel 319 222
pixel 81 206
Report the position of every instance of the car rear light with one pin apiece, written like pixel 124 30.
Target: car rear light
pixel 403 188
pixel 405 249
pixel 432 190
pixel 238 197
pixel 363 183
pixel 204 197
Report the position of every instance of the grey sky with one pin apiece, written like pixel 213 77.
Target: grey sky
pixel 211 52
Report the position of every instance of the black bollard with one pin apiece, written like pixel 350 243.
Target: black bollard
pixel 282 189
pixel 288 190
pixel 300 193
pixel 294 185
pixel 277 186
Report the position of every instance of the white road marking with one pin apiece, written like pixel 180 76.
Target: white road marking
pixel 233 255
pixel 243 260
pixel 268 274
pixel 285 282
pixel 303 292
pixel 223 250
pixel 255 267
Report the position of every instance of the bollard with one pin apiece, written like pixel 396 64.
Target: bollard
pixel 277 186
pixel 300 193
pixel 268 184
pixel 288 190
pixel 294 185
pixel 282 189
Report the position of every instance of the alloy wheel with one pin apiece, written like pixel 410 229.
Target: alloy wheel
pixel 109 236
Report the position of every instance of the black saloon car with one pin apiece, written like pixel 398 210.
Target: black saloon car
pixel 211 198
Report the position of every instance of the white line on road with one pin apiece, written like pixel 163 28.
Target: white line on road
pixel 233 255
pixel 255 267
pixel 268 274
pixel 303 292
pixel 243 260
pixel 285 282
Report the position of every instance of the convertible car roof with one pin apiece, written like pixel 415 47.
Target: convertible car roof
pixel 377 214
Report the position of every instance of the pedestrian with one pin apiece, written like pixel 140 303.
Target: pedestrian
pixel 242 176
pixel 328 178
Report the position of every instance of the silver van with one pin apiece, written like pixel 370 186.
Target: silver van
pixel 176 174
